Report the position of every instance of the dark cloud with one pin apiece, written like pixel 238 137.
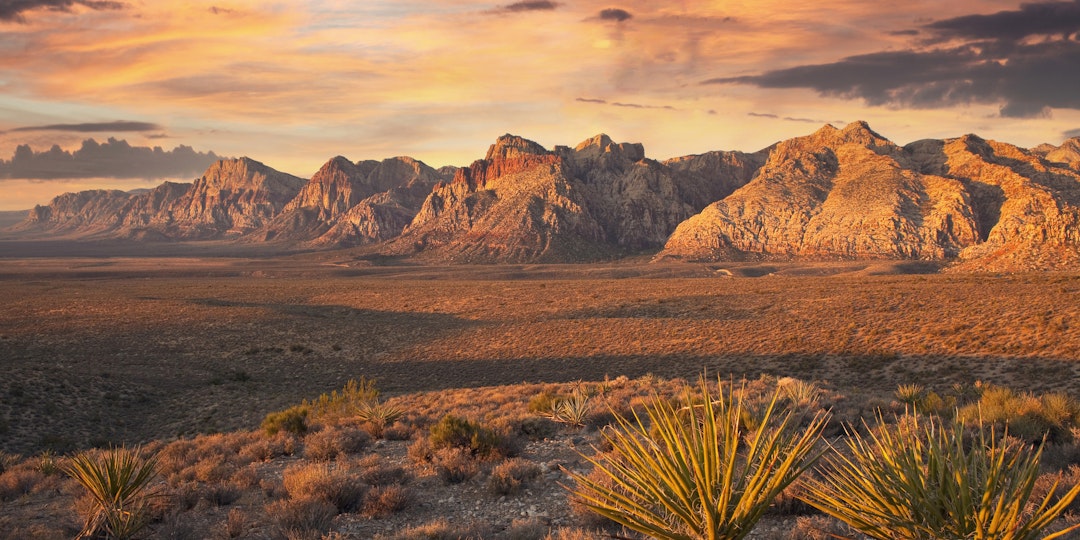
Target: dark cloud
pixel 1072 133
pixel 1027 78
pixel 527 5
pixel 614 14
pixel 789 118
pixel 94 127
pixel 1037 18
pixel 12 10
pixel 904 33
pixel 112 159
pixel 221 11
pixel 599 101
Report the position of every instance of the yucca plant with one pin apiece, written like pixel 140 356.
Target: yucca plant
pixel 913 482
pixel 378 414
pixel 694 472
pixel 571 410
pixel 118 482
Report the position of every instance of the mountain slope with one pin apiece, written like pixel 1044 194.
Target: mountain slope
pixel 524 203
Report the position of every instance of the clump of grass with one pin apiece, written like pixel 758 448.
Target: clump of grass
pixel 118 482
pixel 292 420
pixel 335 442
pixel 441 529
pixel 383 501
pixel 1028 417
pixel 511 475
pixel 454 465
pixel 335 485
pixel 702 475
pixel 927 481
pixel 799 392
pixel 344 403
pixel 572 410
pixel 456 432
pixel 302 517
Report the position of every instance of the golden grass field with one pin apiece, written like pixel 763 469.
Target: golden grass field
pixel 111 350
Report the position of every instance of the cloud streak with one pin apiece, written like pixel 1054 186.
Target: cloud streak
pixel 92 127
pixel 112 159
pixel 1001 63
pixel 13 10
pixel 526 6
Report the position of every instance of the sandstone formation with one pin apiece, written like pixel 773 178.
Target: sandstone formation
pixel 598 200
pixel 853 194
pixel 837 193
pixel 85 212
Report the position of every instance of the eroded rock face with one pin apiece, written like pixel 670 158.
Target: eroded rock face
pixel 85 212
pixel 853 194
pixel 598 200
pixel 1068 153
pixel 233 197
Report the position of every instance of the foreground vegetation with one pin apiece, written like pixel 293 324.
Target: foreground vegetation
pixel 664 457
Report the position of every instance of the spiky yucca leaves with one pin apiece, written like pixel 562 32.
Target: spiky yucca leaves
pixel 117 480
pixel 697 473
pixel 377 415
pixel 912 482
pixel 571 410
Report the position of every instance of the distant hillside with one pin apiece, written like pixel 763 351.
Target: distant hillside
pixel 837 193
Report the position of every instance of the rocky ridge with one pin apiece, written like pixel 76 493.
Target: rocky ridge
pixel 834 194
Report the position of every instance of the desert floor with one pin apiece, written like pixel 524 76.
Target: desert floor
pixel 98 350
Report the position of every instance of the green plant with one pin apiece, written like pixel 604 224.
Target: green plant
pixel 703 476
pixel 344 403
pixel 292 420
pixel 910 394
pixel 913 481
pixel 454 431
pixel 377 415
pixel 571 410
pixel 798 391
pixel 117 482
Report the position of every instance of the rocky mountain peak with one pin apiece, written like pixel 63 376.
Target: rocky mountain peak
pixel 601 145
pixel 512 146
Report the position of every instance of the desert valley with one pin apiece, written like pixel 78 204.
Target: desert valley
pixel 846 272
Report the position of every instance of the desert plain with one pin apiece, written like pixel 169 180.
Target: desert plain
pixel 127 349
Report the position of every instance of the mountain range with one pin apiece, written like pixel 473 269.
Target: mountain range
pixel 834 194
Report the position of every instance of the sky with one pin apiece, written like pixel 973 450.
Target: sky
pixel 293 84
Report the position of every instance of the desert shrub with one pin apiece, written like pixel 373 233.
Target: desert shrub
pixel 377 415
pixel 455 465
pixel 820 528
pixel 8 460
pixel 268 448
pixel 926 481
pixel 399 431
pixel 292 420
pixel 572 410
pixel 457 432
pixel 509 476
pixel 324 482
pixel 705 476
pixel 185 495
pixel 1053 416
pixel 221 494
pixel 442 529
pixel 799 392
pixel 213 470
pixel 335 442
pixel 295 517
pixel 383 501
pixel 420 451
pixel 245 478
pixel 526 529
pixel 374 473
pixel 343 404
pixel 236 523
pixel 542 403
pixel 16 482
pixel 910 394
pixel 118 482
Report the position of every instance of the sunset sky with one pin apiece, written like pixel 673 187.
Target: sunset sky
pixel 293 84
